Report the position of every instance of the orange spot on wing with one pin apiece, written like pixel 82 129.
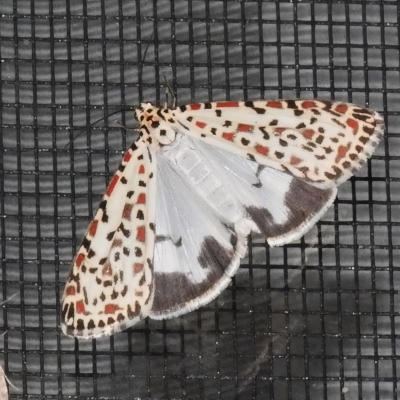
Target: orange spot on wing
pixel 141 169
pixel 228 136
pixel 93 227
pixel 341 108
pixel 352 124
pixel 112 184
pixel 308 133
pixel 141 198
pixel 195 106
pixel 137 268
pixel 228 104
pixel 274 104
pixel 110 309
pixel 308 104
pixel 200 124
pixel 127 212
pixel 294 160
pixel 141 234
pixel 262 150
pixel 80 307
pixel 279 131
pixel 70 291
pixel 127 157
pixel 106 270
pixel 342 151
pixel 245 128
pixel 79 259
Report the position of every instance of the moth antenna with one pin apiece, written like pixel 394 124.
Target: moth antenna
pixel 145 52
pixel 82 131
pixel 119 111
pixel 169 90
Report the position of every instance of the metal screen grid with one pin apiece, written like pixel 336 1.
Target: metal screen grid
pixel 317 319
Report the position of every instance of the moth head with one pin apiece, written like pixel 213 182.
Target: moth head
pixel 157 123
pixel 164 133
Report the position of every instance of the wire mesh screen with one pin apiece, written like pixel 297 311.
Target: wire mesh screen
pixel 316 319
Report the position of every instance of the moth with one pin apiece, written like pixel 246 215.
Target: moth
pixel 173 223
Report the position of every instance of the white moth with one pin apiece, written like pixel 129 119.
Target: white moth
pixel 173 224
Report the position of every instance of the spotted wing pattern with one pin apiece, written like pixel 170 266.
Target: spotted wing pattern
pixel 110 286
pixel 172 226
pixel 322 142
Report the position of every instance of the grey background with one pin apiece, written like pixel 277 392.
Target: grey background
pixel 317 319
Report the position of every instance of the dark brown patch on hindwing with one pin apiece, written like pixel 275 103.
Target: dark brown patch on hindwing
pixel 302 200
pixel 174 290
pixel 213 255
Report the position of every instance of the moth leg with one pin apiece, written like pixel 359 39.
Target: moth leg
pixel 161 238
pixel 259 170
pixel 169 91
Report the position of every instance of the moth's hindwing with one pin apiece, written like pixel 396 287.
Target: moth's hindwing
pixel 208 200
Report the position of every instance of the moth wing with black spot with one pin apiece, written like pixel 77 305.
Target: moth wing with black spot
pixel 110 286
pixel 322 142
pixel 208 200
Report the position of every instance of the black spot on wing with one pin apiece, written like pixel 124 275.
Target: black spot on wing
pixel 91 253
pixel 80 325
pixel 104 217
pixel 86 243
pixel 258 110
pixel 265 133
pixel 134 313
pixel 133 146
pixel 302 125
pixel 91 324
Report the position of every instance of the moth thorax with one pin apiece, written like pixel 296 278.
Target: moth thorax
pixel 164 133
